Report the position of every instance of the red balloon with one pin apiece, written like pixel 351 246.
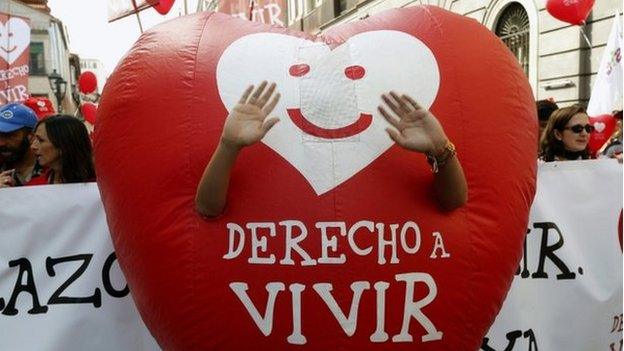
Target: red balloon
pixel 162 6
pixel 570 11
pixel 87 82
pixel 604 126
pixel 316 209
pixel 89 112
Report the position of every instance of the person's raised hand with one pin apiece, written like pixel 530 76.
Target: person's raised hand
pixel 417 129
pixel 248 123
pixel 6 179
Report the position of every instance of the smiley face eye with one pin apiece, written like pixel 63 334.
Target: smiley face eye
pixel 299 70
pixel 355 72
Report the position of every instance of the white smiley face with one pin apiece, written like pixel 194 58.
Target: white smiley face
pixel 362 122
pixel 14 39
pixel 329 125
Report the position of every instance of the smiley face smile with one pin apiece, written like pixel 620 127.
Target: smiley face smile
pixel 8 51
pixel 357 127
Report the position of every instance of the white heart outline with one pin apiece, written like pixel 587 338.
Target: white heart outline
pixel 408 67
pixel 600 126
pixel 11 48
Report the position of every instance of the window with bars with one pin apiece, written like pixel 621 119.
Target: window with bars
pixel 513 29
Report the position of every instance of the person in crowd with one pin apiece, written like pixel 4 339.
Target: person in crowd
pixel 18 163
pixel 62 145
pixel 544 109
pixel 414 129
pixel 566 135
pixel 613 148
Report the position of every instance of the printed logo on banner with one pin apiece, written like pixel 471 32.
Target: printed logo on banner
pixel 14 70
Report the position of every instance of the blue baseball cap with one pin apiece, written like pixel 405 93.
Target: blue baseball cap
pixel 16 116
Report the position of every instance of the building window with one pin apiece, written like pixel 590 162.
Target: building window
pixel 340 6
pixel 37 59
pixel 513 29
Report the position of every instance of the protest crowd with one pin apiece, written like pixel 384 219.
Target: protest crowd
pixel 47 148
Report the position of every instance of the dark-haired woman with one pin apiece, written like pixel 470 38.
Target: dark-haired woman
pixel 566 135
pixel 62 145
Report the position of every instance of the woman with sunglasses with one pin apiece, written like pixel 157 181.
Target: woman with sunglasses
pixel 566 135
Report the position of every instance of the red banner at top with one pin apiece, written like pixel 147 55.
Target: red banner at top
pixel 263 11
pixel 14 57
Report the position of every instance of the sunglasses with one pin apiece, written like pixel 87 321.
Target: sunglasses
pixel 577 128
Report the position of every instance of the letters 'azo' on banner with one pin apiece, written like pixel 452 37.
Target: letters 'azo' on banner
pixel 14 49
pixel 264 11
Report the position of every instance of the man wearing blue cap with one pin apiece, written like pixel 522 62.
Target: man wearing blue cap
pixel 18 163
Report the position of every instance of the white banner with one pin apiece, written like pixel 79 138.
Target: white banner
pixel 61 287
pixel 568 293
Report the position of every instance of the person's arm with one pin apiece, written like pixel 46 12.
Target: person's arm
pixel 246 124
pixel 419 130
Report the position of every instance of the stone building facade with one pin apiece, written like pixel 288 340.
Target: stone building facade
pixel 556 58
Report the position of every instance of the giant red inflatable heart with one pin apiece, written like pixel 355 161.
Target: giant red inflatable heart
pixel 604 126
pixel 570 11
pixel 331 239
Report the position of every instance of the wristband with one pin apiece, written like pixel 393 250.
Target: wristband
pixel 438 161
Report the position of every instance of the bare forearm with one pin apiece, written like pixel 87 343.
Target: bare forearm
pixel 450 186
pixel 212 189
